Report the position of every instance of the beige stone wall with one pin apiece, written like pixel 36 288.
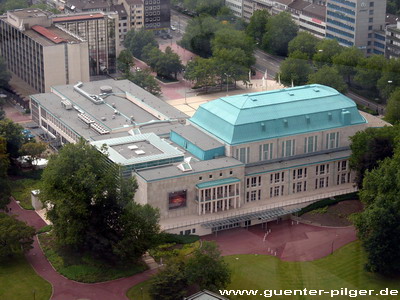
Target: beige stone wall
pixel 54 66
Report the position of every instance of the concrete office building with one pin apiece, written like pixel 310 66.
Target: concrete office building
pixel 236 6
pixel 100 30
pixel 40 53
pixel 157 14
pixel 393 41
pixel 353 22
pixel 238 161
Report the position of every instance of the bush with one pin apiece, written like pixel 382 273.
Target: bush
pixel 168 238
pixel 327 202
pixel 44 229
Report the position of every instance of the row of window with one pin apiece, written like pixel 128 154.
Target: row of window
pixel 211 175
pixel 342 9
pixel 288 148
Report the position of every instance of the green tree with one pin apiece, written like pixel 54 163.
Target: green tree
pixel 12 4
pixel 170 283
pixel 257 25
pixel 165 63
pixel 393 107
pixel 230 64
pixel 326 50
pixel 209 7
pixel 304 42
pixel 145 80
pixel 296 69
pixel 87 197
pixel 379 224
pixel 5 75
pixel 136 40
pixel 328 76
pixel 125 61
pixel 12 132
pixel 369 70
pixel 346 62
pixel 15 237
pixel 280 30
pixel 198 35
pixel 4 183
pixel 33 150
pixel 390 79
pixel 207 269
pixel 139 231
pixel 202 71
pixel 231 39
pixel 369 147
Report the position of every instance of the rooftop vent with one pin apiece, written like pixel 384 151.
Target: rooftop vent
pixel 103 119
pixel 66 104
pixel 330 116
pixel 285 122
pixel 85 118
pixel 291 94
pixel 98 128
pixel 316 90
pixel 308 119
pixel 106 89
pixel 140 152
pixel 133 147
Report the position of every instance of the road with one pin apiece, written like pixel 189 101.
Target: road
pixel 271 63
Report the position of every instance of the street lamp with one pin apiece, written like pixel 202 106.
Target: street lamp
pixel 227 85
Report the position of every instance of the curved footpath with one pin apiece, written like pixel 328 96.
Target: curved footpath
pixel 63 288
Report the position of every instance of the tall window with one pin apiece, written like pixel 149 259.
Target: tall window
pixel 277 177
pixel 332 140
pixel 310 144
pixel 288 148
pixel 243 154
pixel 266 151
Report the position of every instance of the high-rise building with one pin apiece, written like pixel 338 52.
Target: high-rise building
pixel 101 31
pixel 353 22
pixel 157 14
pixel 41 53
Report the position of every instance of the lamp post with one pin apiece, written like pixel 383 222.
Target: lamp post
pixel 227 85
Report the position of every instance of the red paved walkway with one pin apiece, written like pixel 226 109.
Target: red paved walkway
pixel 65 289
pixel 298 242
pixel 13 114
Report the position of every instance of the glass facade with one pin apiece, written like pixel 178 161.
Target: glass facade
pixel 100 34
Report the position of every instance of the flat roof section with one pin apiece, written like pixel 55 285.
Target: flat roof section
pixel 118 148
pixel 166 172
pixel 136 149
pixel 78 18
pixel 29 13
pixel 198 137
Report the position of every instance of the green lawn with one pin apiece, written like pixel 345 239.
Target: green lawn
pixel 21 190
pixel 83 267
pixel 343 269
pixel 18 281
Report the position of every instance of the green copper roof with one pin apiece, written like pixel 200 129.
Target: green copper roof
pixel 217 182
pixel 264 115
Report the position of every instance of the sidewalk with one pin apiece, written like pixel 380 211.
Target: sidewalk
pixel 63 288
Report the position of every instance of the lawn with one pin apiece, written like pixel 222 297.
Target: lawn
pixel 83 267
pixel 19 281
pixel 22 185
pixel 343 269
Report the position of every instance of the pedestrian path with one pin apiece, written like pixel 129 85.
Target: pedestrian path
pixel 63 288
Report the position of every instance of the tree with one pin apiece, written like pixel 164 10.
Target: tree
pixel 125 61
pixel 5 75
pixel 135 41
pixel 209 7
pixel 231 39
pixel 207 269
pixel 379 224
pixel 304 42
pixel 393 107
pixel 12 132
pixel 12 4
pixel 87 197
pixel 164 63
pixel 280 30
pixel 369 70
pixel 390 79
pixel 140 231
pixel 328 76
pixel 326 50
pixel 198 35
pixel 296 69
pixel 346 62
pixel 170 283
pixel 4 183
pixel 257 25
pixel 15 237
pixel 33 150
pixel 145 80
pixel 369 147
pixel 202 71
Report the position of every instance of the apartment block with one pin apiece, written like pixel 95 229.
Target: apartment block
pixel 41 53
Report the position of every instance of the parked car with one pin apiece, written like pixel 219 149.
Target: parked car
pixel 173 28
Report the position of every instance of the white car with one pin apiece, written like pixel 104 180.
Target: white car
pixel 173 28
